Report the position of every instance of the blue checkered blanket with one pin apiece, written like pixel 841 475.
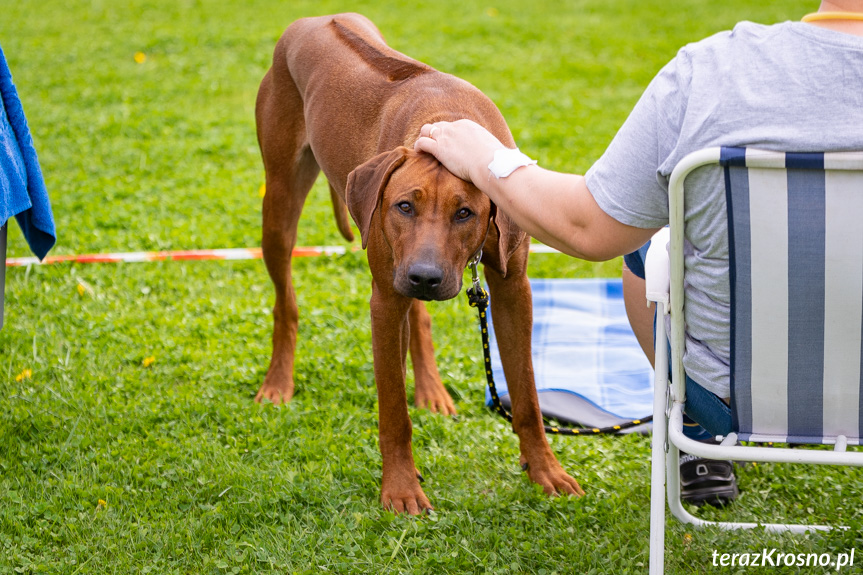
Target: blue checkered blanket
pixel 589 367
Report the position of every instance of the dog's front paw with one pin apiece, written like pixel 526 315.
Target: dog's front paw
pixel 552 477
pixel 275 389
pixel 434 398
pixel 405 496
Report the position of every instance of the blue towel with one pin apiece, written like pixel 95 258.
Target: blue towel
pixel 588 365
pixel 22 188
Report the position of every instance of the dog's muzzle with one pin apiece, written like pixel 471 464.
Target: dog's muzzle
pixel 426 281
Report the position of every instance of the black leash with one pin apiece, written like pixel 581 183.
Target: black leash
pixel 478 298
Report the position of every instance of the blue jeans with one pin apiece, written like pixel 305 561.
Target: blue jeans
pixel 702 407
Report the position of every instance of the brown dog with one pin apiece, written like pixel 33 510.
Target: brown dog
pixel 338 99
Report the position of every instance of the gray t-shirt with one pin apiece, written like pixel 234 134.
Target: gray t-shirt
pixel 791 87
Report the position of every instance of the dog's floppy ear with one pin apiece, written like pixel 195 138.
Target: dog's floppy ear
pixel 366 184
pixel 510 237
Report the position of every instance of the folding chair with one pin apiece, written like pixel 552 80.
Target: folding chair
pixel 795 329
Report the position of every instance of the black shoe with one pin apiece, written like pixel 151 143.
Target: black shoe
pixel 707 481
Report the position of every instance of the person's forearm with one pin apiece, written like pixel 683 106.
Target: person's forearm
pixel 555 208
pixel 539 201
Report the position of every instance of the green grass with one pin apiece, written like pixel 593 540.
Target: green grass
pixel 111 466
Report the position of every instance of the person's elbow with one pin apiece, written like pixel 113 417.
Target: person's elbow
pixel 601 245
pixel 597 236
pixel 600 238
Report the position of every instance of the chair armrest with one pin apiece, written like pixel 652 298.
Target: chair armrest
pixel 657 268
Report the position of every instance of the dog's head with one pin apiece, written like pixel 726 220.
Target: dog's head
pixel 433 222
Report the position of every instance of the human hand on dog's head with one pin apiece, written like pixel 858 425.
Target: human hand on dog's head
pixel 464 147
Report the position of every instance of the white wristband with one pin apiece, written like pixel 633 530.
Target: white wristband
pixel 506 161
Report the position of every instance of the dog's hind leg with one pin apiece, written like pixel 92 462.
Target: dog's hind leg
pixel 429 392
pixel 291 171
pixel 340 211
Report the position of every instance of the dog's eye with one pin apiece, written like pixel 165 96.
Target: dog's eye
pixel 405 208
pixel 463 214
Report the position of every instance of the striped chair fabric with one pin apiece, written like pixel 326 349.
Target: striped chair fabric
pixel 795 226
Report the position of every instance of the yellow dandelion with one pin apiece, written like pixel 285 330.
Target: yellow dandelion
pixel 26 374
pixel 81 289
pixel 101 504
pixel 140 57
pixel 687 539
pixel 148 361
pixel 262 191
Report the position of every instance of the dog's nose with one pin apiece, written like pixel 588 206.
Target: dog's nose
pixel 425 277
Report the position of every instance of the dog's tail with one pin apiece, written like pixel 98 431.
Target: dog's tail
pixel 343 220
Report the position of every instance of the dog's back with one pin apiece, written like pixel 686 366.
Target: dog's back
pixel 382 96
pixel 396 67
pixel 345 50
